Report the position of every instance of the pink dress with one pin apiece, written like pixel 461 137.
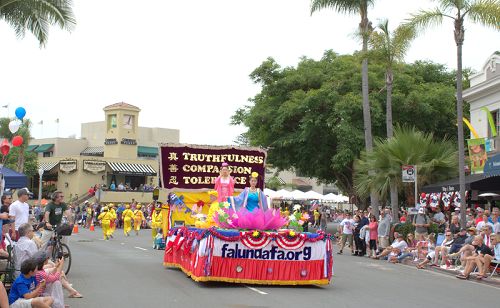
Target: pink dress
pixel 224 188
pixel 373 230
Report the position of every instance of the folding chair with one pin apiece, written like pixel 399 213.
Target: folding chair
pixel 497 264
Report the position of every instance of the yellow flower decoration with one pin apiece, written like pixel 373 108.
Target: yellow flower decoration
pixel 292 233
pixel 221 212
pixel 255 174
pixel 255 233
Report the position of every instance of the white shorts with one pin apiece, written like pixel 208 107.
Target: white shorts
pixel 431 255
pixel 22 303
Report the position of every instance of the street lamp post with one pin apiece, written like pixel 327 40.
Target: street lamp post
pixel 40 173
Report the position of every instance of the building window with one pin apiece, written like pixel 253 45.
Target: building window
pixel 111 121
pixel 495 114
pixel 128 121
pixel 48 154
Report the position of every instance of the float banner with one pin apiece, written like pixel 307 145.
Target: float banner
pixel 197 167
pixel 477 154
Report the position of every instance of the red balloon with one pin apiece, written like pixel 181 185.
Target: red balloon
pixel 5 147
pixel 17 141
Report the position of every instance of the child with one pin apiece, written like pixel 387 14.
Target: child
pixel 25 291
pixel 159 243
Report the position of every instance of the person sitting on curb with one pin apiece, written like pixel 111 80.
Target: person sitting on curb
pixel 395 249
pixel 443 249
pixel 25 291
pixel 483 262
pixel 480 250
pixel 431 240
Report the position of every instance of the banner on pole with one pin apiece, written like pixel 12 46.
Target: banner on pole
pixel 408 173
pixel 477 154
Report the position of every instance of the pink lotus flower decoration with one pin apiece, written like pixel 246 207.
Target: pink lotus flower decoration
pixel 255 220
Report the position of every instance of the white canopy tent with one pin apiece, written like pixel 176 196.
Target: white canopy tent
pixel 297 194
pixel 312 195
pixel 283 194
pixel 270 193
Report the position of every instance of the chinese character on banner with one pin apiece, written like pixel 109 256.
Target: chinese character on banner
pixel 173 180
pixel 173 168
pixel 173 156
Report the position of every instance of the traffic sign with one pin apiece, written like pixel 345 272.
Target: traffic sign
pixel 409 173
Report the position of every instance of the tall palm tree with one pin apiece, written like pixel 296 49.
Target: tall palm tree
pixel 437 160
pixel 37 16
pixel 391 47
pixel 485 12
pixel 365 28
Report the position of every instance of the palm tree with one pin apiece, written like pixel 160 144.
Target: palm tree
pixel 391 47
pixel 37 15
pixel 485 12
pixel 436 160
pixel 365 28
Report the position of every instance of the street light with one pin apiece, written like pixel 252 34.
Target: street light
pixel 40 173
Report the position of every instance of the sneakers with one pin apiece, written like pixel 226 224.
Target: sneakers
pixel 340 252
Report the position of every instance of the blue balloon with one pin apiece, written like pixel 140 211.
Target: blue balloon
pixel 20 113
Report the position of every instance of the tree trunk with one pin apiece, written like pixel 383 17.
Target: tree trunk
pixel 388 109
pixel 459 39
pixel 389 77
pixel 20 160
pixel 365 28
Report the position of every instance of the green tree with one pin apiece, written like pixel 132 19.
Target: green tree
pixel 37 16
pixel 391 48
pixel 485 12
pixel 18 157
pixel 365 28
pixel 310 117
pixel 436 160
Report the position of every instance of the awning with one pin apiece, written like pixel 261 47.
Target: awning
pixel 453 184
pixel 132 169
pixel 30 148
pixel 44 148
pixel 492 166
pixel 147 151
pixel 93 151
pixel 47 166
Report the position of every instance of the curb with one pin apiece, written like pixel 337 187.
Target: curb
pixel 494 281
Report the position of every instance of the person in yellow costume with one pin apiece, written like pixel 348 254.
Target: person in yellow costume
pixel 127 216
pixel 112 225
pixel 138 218
pixel 105 218
pixel 214 207
pixel 156 221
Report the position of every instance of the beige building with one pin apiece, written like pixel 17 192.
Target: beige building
pixel 115 153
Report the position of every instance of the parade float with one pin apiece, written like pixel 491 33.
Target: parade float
pixel 219 228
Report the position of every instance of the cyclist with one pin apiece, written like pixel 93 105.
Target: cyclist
pixel 54 212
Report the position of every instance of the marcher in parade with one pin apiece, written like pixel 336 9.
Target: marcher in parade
pixel 105 218
pixel 138 219
pixel 127 216
pixel 112 225
pixel 251 197
pixel 156 221
pixel 224 184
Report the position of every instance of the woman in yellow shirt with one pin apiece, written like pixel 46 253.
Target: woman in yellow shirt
pixel 156 221
pixel 138 218
pixel 105 218
pixel 127 216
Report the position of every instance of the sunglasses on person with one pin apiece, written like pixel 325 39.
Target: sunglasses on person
pixel 448 234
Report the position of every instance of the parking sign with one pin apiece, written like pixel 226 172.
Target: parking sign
pixel 409 173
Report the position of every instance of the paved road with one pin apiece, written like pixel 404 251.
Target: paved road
pixel 127 272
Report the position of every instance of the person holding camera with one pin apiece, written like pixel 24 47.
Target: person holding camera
pixel 54 213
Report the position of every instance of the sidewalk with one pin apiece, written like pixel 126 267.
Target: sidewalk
pixel 494 280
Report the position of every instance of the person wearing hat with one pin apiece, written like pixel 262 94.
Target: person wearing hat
pixel 112 225
pixel 127 216
pixel 421 223
pixel 54 212
pixel 156 221
pixel 105 218
pixel 19 211
pixel 138 219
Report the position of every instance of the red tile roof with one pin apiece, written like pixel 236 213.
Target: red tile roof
pixel 121 105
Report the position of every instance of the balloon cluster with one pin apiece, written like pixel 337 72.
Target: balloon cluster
pixel 14 126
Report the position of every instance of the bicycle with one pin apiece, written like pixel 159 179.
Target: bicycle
pixel 60 249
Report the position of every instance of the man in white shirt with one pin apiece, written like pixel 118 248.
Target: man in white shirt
pixel 20 210
pixel 346 228
pixel 25 247
pixel 395 249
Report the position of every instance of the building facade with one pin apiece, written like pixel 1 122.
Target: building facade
pixel 484 92
pixel 115 153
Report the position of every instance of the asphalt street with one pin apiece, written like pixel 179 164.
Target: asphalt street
pixel 127 272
